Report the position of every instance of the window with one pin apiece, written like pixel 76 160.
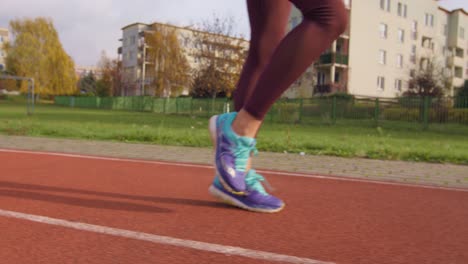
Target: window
pixel 462 33
pixel 402 9
pixel 2 67
pixel 413 54
pixel 401 35
pixel 445 30
pixel 320 78
pixel 414 26
pixel 381 83
pixel 429 20
pixel 383 30
pixel 337 77
pixel 414 30
pixel 399 61
pixel 1 39
pixel 385 5
pixel 398 84
pixel 133 40
pixel 459 72
pixel 382 57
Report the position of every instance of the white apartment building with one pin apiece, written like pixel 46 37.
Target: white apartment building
pixel 3 39
pixel 132 54
pixel 386 40
pixel 330 72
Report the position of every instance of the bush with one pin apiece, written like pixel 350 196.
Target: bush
pixel 401 114
pixel 458 116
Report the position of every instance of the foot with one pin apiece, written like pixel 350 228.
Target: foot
pixel 232 153
pixel 256 199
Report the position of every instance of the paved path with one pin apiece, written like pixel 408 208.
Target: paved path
pixel 446 175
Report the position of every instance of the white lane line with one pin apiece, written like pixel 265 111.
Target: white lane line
pixel 179 164
pixel 165 240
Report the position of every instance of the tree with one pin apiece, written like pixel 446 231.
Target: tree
pixel 427 80
pixel 88 84
pixel 110 82
pixel 218 49
pixel 37 52
pixel 168 70
pixel 209 83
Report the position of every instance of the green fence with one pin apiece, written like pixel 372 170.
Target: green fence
pixel 323 110
pixel 182 105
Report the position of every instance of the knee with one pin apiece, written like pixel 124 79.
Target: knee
pixel 331 15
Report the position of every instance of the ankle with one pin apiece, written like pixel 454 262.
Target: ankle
pixel 246 125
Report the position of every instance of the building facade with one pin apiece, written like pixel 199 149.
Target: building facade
pixel 385 42
pixel 4 37
pixel 134 50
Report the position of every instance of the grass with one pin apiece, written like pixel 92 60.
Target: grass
pixel 390 141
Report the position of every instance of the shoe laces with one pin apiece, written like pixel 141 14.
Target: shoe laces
pixel 254 181
pixel 242 154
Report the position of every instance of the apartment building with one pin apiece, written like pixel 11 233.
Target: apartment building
pixel 385 42
pixel 133 54
pixel 329 73
pixel 3 39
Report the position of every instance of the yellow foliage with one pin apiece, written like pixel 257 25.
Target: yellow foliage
pixel 38 53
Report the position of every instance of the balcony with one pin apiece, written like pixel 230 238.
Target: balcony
pixel 341 59
pixel 333 58
pixel 325 58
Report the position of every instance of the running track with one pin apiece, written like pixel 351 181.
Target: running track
pixel 58 208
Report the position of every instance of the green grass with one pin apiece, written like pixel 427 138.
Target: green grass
pixel 391 140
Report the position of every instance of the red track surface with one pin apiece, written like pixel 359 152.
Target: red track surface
pixel 328 220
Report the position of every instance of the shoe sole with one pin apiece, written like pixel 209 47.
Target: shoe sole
pixel 231 201
pixel 213 134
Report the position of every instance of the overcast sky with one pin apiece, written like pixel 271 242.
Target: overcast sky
pixel 87 27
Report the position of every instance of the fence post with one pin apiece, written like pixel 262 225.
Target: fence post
pixel 334 109
pixel 426 112
pixel 177 105
pixel 377 111
pixel 164 105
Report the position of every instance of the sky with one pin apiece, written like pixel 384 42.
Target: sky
pixel 88 27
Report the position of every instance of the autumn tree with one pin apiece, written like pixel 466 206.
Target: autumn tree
pixel 37 52
pixel 167 68
pixel 219 49
pixel 428 79
pixel 204 85
pixel 109 83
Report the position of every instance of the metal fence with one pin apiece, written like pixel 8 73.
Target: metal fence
pixel 324 110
